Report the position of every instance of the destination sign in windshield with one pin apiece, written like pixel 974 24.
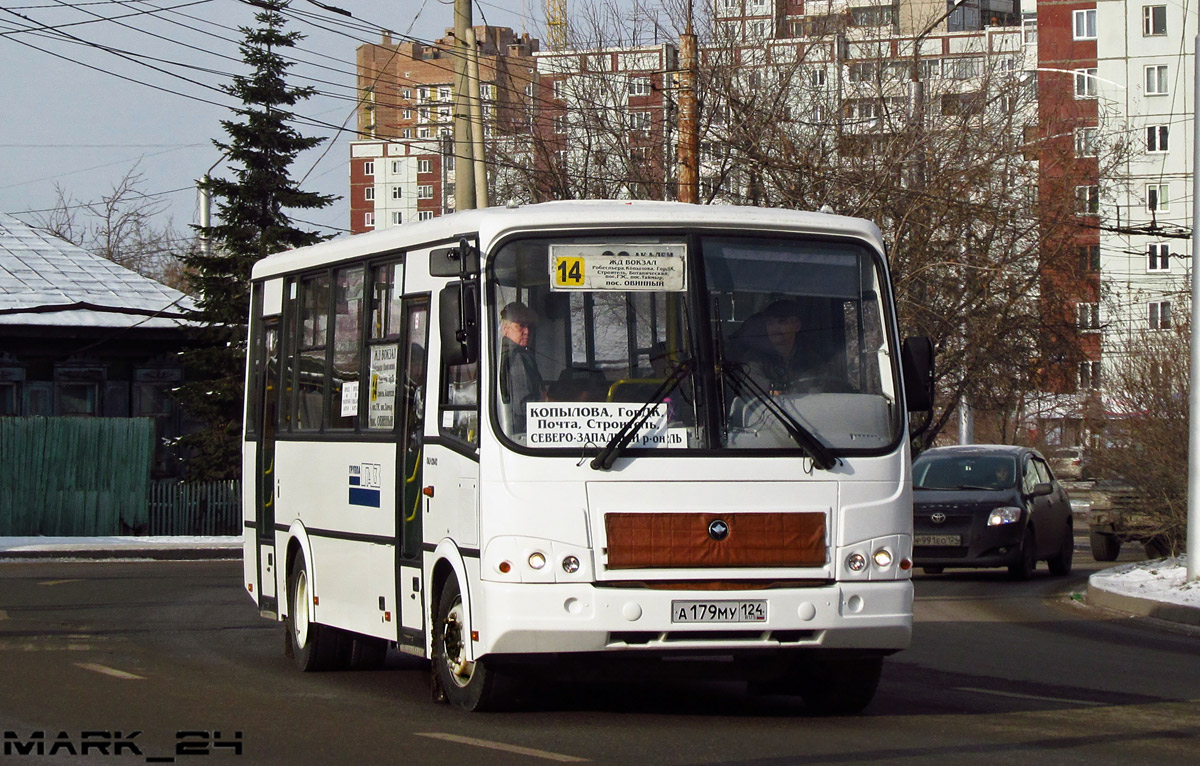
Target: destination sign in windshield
pixel 619 267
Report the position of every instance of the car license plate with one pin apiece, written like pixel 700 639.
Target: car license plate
pixel 937 540
pixel 719 611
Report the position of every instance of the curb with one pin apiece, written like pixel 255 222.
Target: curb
pixel 1141 607
pixel 42 553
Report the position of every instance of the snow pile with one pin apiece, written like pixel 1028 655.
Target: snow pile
pixel 1162 580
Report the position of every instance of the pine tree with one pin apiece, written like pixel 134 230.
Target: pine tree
pixel 252 224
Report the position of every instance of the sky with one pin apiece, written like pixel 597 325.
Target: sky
pixel 95 89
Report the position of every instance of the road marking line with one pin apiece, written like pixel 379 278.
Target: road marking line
pixel 95 668
pixel 1014 695
pixel 59 582
pixel 515 749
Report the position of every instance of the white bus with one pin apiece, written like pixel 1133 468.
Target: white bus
pixel 583 435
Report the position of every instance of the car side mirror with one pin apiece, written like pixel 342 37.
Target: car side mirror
pixel 1043 489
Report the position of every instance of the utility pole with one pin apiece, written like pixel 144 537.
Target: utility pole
pixel 464 175
pixel 688 145
pixel 478 161
pixel 1193 482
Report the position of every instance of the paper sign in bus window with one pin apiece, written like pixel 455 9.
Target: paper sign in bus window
pixel 562 424
pixel 381 410
pixel 624 267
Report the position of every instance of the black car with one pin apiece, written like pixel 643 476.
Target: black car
pixel 989 505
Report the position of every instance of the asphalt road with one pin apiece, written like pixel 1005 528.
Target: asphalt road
pixel 999 673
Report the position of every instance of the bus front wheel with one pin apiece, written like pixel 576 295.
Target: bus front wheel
pixel 471 685
pixel 839 686
pixel 311 646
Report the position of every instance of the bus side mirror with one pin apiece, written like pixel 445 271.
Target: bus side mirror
pixel 458 305
pixel 916 363
pixel 461 261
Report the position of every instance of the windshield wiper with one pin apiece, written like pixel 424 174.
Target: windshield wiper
pixel 744 385
pixel 620 440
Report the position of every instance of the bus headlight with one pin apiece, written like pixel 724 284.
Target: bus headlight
pixel 537 560
pixel 856 562
pixel 570 564
pixel 883 558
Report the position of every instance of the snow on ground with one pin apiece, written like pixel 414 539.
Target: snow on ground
pixel 1163 580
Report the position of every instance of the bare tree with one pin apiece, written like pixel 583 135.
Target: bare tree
pixel 1141 433
pixel 123 226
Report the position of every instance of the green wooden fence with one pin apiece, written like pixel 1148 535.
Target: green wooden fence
pixel 74 476
pixel 199 508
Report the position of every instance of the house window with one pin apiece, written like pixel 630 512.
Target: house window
pixel 424 166
pixel 1085 24
pixel 1089 258
pixel 1154 20
pixel 1158 256
pixel 369 193
pixel 1087 200
pixel 397 192
pixel 1087 316
pixel 406 114
pixel 1156 138
pixel 406 93
pixel 369 168
pixel 1085 83
pixel 1158 198
pixel 639 86
pixel 443 94
pixel 1156 80
pixel 487 91
pixel 1160 315
pixel 425 215
pixel 1089 375
pixel 641 121
pixel 560 124
pixel 816 78
pixel 425 191
pixel 560 89
pixel 1029 31
pixel 397 218
pixel 369 220
pixel 1085 142
pixel 395 166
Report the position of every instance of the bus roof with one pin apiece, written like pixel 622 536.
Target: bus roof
pixel 494 222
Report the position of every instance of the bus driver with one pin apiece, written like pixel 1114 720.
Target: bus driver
pixel 520 381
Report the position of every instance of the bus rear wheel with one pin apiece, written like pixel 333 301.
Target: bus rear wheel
pixel 471 685
pixel 311 646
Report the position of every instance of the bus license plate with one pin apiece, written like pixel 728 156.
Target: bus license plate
pixel 719 611
pixel 946 540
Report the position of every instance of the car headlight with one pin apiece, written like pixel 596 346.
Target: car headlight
pixel 1005 515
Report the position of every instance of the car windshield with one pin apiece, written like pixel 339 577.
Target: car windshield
pixel 950 472
pixel 747 343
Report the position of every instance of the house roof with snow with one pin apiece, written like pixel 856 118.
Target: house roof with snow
pixel 46 281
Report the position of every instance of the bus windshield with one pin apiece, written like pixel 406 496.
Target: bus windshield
pixel 702 342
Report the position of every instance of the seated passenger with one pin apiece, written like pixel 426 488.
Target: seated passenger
pixel 520 381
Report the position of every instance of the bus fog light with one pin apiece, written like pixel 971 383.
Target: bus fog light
pixel 504 567
pixel 570 564
pixel 883 558
pixel 537 560
pixel 856 562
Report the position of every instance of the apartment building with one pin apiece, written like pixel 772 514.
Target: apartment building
pixel 403 167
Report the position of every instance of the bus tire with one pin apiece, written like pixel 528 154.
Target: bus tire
pixel 312 646
pixel 468 685
pixel 366 653
pixel 839 686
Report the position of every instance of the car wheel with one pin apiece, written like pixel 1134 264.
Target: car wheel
pixel 469 685
pixel 312 646
pixel 839 687
pixel 1105 547
pixel 1157 547
pixel 1060 563
pixel 1026 563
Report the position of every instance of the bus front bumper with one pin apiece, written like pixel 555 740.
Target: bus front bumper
pixel 550 618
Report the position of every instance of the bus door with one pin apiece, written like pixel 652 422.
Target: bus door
pixel 268 387
pixel 409 457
